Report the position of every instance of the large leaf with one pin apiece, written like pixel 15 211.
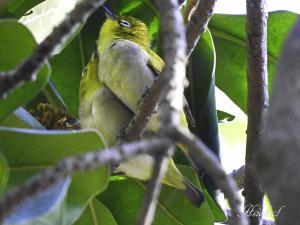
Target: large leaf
pixel 96 214
pixel 201 91
pixel 28 151
pixel 201 97
pixel 230 41
pixel 37 19
pixel 67 67
pixel 16 43
pixel 173 208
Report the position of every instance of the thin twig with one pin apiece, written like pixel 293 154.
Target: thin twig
pixel 239 176
pixel 258 99
pixel 71 165
pixel 212 165
pixel 146 108
pixel 198 23
pixel 26 71
pixel 153 190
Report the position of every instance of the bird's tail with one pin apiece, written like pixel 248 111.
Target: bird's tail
pixel 193 194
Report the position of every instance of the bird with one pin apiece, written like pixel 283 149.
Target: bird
pixel 108 102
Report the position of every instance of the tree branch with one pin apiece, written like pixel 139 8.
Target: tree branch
pixel 188 8
pixel 258 99
pixel 27 70
pixel 149 103
pixel 239 177
pixel 171 92
pixel 71 165
pixel 277 163
pixel 198 23
pixel 146 108
pixel 209 162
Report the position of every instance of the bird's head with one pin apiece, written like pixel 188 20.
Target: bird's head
pixel 124 27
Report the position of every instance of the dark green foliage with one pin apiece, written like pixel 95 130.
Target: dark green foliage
pixel 26 147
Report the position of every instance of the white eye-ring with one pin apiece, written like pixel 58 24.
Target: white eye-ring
pixel 125 23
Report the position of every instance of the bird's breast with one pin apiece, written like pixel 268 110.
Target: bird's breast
pixel 123 69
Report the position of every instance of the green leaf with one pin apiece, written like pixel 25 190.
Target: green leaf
pixel 95 214
pixel 20 7
pixel 28 151
pixel 224 117
pixel 230 41
pixel 68 65
pixel 17 43
pixel 216 210
pixel 201 91
pixel 201 98
pixel 172 209
pixel 126 6
pixel 4 173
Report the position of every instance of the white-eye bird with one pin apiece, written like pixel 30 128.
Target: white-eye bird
pixel 106 109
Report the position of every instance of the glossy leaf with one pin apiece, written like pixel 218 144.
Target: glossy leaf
pixel 17 43
pixel 230 41
pixel 173 208
pixel 96 214
pixel 201 91
pixel 68 65
pixel 28 151
pixel 201 97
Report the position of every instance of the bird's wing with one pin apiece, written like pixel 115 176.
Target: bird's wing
pixel 156 64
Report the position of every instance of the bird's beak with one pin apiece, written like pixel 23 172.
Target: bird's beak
pixel 109 13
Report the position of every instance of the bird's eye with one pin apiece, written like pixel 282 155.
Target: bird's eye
pixel 125 23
